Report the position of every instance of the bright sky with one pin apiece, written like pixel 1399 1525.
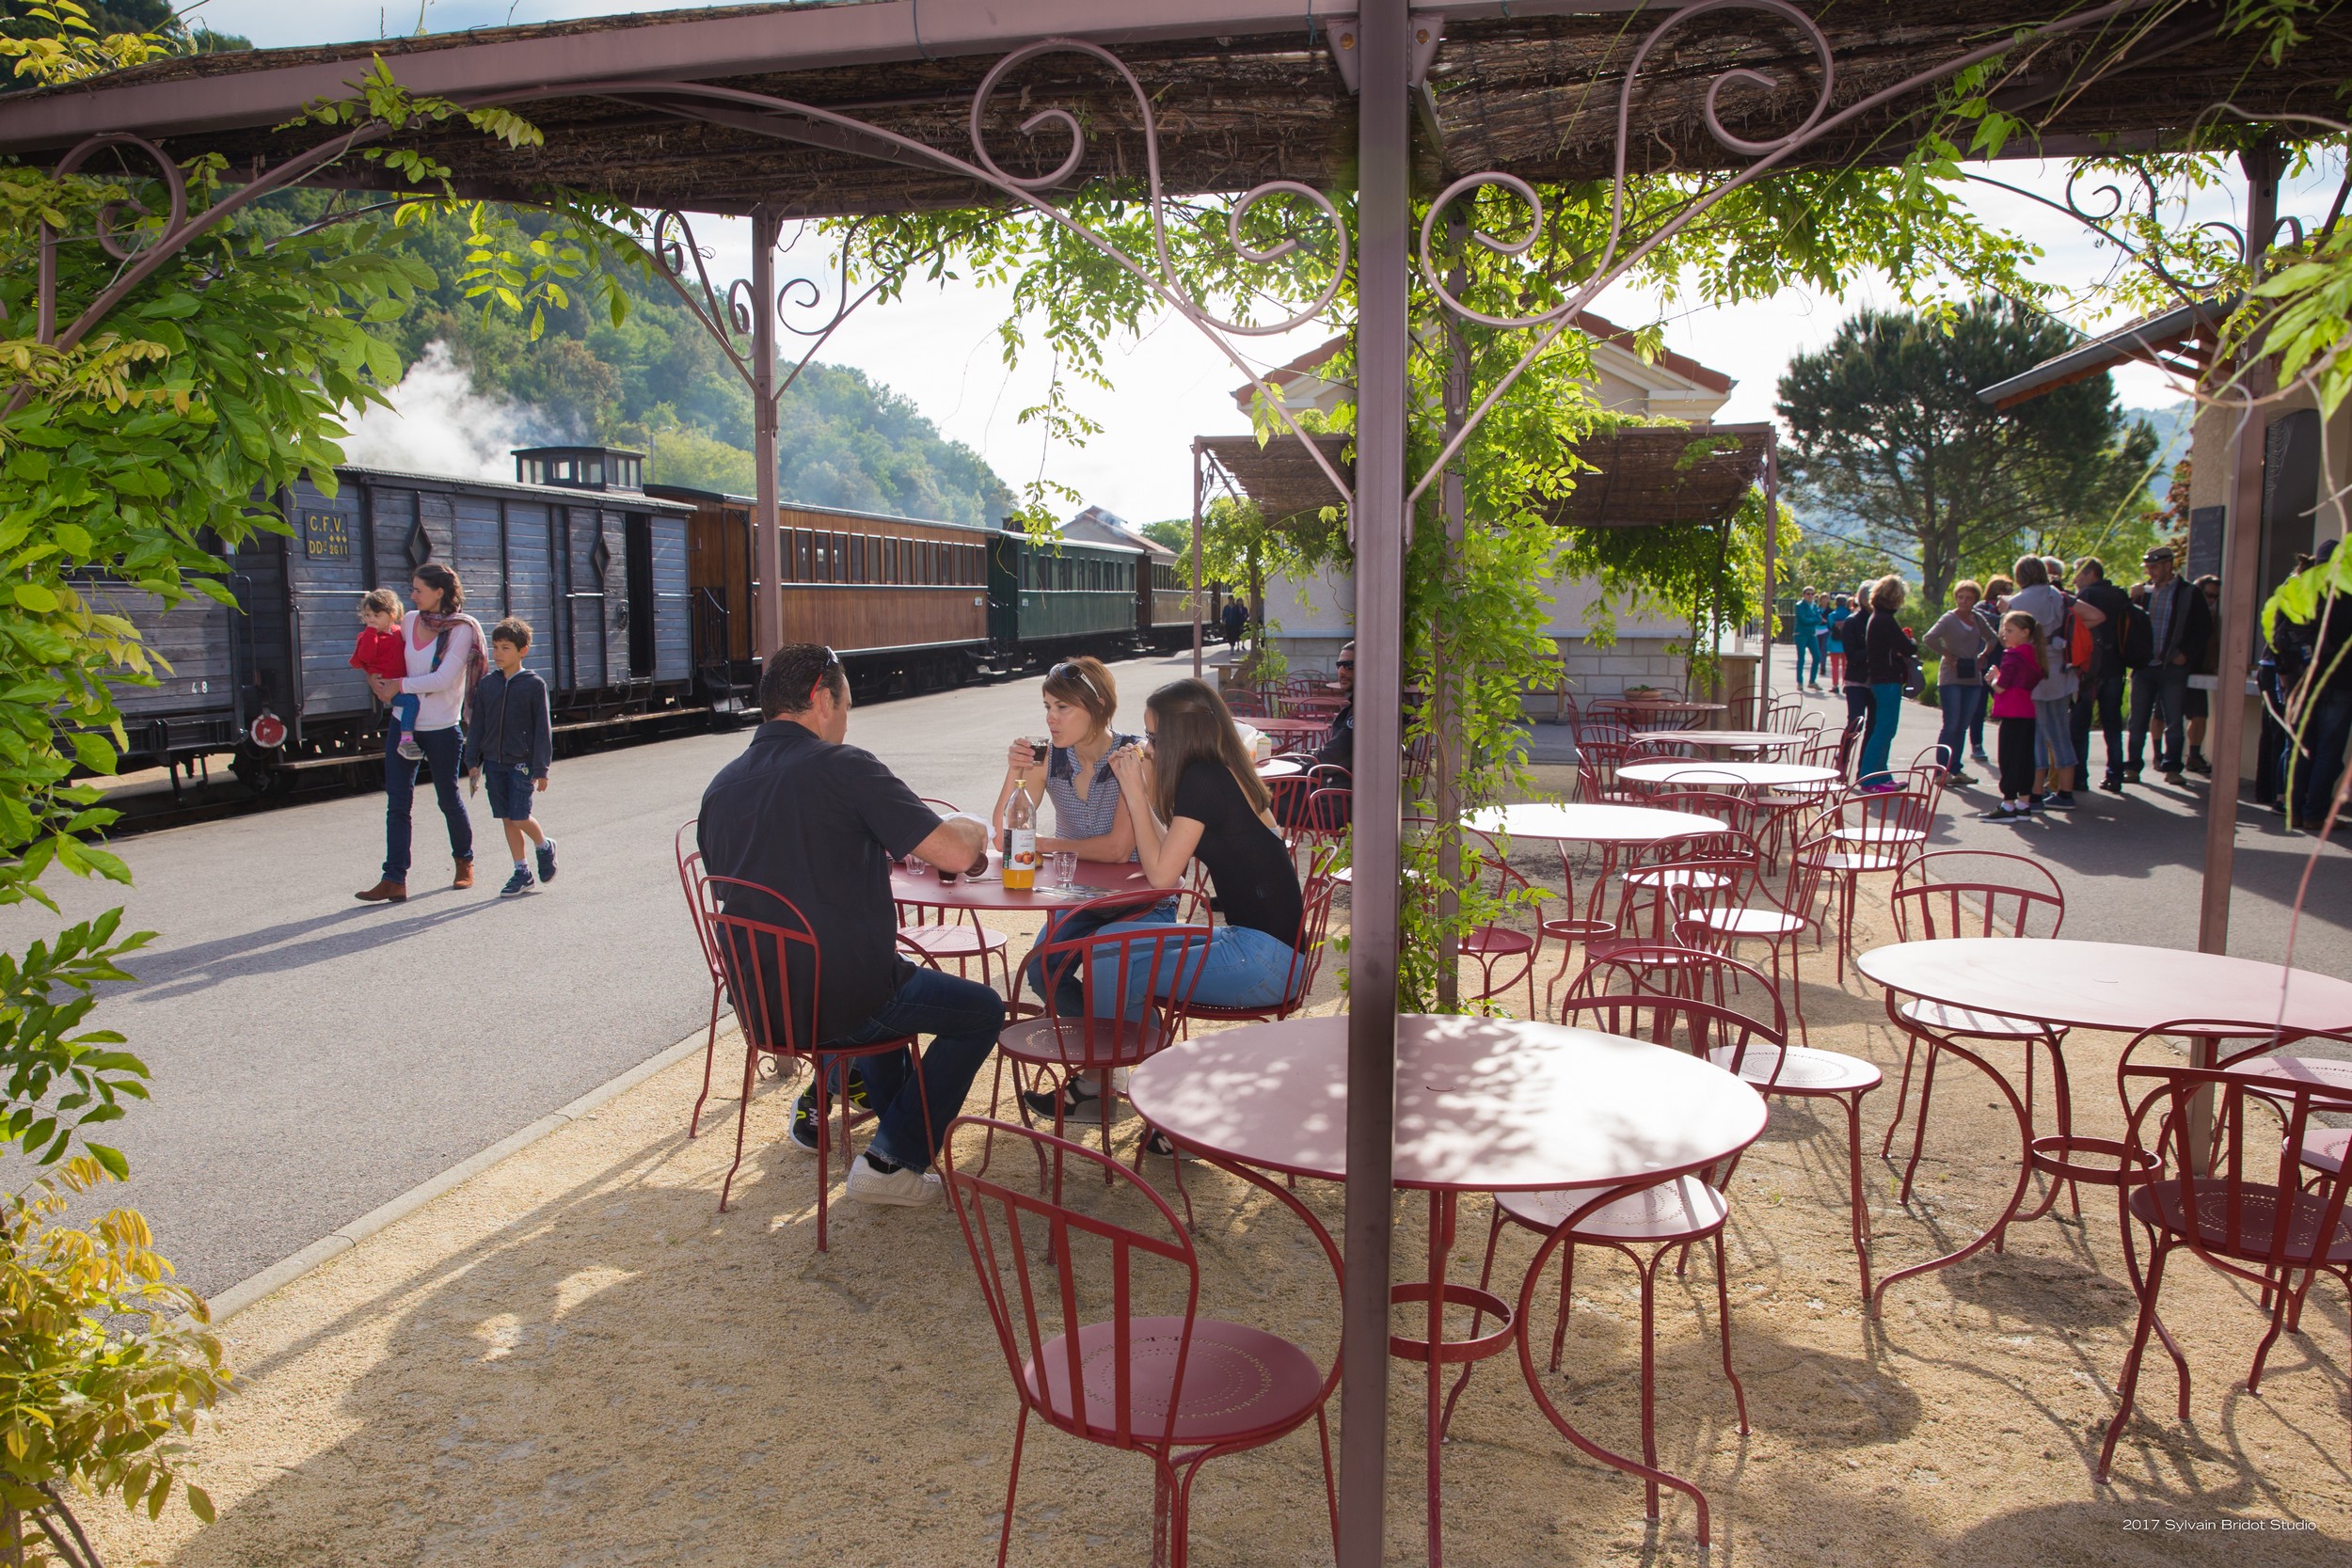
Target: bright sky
pixel 938 347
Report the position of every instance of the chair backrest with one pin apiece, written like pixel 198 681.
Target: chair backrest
pixel 690 880
pixel 1889 822
pixel 1735 811
pixel 946 808
pixel 1049 1271
pixel 1646 873
pixel 1288 797
pixel 1314 922
pixel 1722 877
pixel 1674 982
pixel 1328 815
pixel 1976 893
pixel 1596 764
pixel 767 954
pixel 2228 1141
pixel 1120 1019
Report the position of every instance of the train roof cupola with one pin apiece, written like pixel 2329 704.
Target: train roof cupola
pixel 580 468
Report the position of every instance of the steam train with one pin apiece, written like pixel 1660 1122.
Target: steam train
pixel 640 598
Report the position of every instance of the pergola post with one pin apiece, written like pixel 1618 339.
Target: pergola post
pixel 1384 227
pixel 1445 680
pixel 767 531
pixel 1196 558
pixel 1772 607
pixel 2241 566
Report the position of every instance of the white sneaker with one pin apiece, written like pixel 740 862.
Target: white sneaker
pixel 906 1187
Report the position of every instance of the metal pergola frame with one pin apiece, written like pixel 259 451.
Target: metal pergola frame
pixel 676 65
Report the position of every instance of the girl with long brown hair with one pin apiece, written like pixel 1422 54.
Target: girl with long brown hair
pixel 1195 793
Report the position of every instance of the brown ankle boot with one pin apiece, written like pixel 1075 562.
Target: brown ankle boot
pixel 465 874
pixel 387 892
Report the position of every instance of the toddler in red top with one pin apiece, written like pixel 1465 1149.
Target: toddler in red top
pixel 378 652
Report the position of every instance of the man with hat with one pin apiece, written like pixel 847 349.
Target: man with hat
pixel 2179 625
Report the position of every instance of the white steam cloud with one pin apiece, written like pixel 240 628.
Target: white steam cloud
pixel 439 424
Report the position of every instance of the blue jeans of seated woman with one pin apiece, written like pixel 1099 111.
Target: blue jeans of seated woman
pixel 1236 967
pixel 1886 711
pixel 1070 998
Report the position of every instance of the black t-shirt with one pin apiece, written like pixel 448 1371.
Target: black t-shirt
pixel 2116 605
pixel 1255 884
pixel 1341 748
pixel 820 824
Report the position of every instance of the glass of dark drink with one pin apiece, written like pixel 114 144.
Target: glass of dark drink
pixel 1036 751
pixel 947 875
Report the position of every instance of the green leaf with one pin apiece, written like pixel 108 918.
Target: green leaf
pixel 37 598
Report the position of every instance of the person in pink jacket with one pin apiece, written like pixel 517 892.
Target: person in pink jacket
pixel 2013 680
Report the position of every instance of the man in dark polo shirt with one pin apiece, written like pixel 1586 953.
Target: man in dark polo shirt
pixel 819 822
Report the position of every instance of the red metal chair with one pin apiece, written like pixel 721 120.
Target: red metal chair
pixel 1498 944
pixel 1749 908
pixel 1970 892
pixel 2226 1184
pixel 690 876
pixel 1178 1388
pixel 757 958
pixel 1881 835
pixel 1054 1048
pixel 1645 1225
pixel 1314 921
pixel 1596 764
pixel 1761 1056
pixel 1570 929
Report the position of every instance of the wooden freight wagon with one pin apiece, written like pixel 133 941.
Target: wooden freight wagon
pixel 596 566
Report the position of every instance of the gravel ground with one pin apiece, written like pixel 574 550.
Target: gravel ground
pixel 574 1359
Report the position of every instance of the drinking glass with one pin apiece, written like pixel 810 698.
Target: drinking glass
pixel 1065 868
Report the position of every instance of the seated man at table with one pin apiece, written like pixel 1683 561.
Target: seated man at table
pixel 1289 807
pixel 819 822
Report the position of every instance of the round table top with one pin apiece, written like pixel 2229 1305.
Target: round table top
pixel 1667 704
pixel 1737 740
pixel 1095 877
pixel 1704 773
pixel 1280 768
pixel 1287 726
pixel 1482 1104
pixel 2104 985
pixel 1578 823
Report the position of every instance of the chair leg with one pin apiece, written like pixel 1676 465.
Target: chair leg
pixel 1919 1128
pixel 2127 1386
pixel 1567 1287
pixel 1012 1487
pixel 820 1085
pixel 1722 1320
pixel 2283 1295
pixel 1330 1490
pixel 711 1054
pixel 1649 1374
pixel 1902 1095
pixel 742 1116
pixel 1853 1176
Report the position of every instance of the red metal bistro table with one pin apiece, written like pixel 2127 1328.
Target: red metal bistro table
pixel 1482 1105
pixel 2089 985
pixel 1704 773
pixel 1095 879
pixel 1728 740
pixel 1289 731
pixel 1578 823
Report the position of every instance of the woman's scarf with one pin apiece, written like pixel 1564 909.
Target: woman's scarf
pixel 477 652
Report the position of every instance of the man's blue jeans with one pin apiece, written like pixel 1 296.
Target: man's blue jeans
pixel 2101 701
pixel 1886 711
pixel 2159 692
pixel 442 748
pixel 963 1019
pixel 1962 705
pixel 2315 774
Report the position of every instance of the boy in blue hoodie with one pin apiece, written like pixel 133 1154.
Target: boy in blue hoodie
pixel 510 743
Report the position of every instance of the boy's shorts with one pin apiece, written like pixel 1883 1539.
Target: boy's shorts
pixel 509 786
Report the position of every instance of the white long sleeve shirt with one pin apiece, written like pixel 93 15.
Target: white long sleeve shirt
pixel 440 693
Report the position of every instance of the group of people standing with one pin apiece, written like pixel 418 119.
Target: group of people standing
pixel 803 817
pixel 2081 646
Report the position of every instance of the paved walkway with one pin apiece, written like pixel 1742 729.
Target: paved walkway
pixel 314 1057
pixel 2133 866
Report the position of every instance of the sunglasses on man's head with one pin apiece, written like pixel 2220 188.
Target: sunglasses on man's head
pixel 832 661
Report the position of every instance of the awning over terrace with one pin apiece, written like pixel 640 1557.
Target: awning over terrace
pixel 1641 475
pixel 1243 90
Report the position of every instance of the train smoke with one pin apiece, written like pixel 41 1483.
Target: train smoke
pixel 439 424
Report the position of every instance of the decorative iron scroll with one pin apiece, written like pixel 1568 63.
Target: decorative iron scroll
pixel 729 316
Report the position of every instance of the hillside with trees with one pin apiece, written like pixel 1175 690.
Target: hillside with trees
pixel 655 380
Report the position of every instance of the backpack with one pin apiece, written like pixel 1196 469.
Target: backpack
pixel 2082 651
